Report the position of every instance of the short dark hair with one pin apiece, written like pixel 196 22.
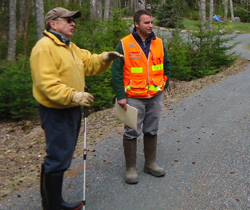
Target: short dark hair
pixel 139 13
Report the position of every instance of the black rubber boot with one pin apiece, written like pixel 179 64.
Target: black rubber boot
pixel 42 187
pixel 57 190
pixel 52 191
pixel 151 167
pixel 130 147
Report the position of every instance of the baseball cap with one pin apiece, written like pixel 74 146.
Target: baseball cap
pixel 61 12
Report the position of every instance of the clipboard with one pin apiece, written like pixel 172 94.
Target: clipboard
pixel 128 117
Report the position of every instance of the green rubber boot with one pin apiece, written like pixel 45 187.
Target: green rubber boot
pixel 130 147
pixel 151 167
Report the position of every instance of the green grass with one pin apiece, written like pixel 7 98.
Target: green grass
pixel 243 27
pixel 190 24
pixel 247 46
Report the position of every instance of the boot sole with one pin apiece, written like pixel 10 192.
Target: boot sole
pixel 149 171
pixel 134 182
pixel 128 181
pixel 77 208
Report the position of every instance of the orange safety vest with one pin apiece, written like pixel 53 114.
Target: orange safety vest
pixel 142 77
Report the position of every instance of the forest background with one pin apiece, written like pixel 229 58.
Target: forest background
pixel 102 25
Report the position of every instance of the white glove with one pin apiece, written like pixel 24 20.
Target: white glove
pixel 83 98
pixel 109 56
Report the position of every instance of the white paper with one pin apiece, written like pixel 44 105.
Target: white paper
pixel 128 117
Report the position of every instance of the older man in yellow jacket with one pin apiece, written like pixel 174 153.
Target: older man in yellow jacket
pixel 58 69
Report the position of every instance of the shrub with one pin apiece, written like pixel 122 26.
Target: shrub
pixel 177 52
pixel 100 87
pixel 167 16
pixel 194 15
pixel 203 53
pixel 16 100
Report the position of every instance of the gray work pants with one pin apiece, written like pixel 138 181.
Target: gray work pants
pixel 149 113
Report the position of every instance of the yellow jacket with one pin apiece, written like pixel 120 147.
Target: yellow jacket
pixel 59 70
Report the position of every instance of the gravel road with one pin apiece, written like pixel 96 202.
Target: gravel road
pixel 203 145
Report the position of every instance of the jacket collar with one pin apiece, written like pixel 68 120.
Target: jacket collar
pixel 138 38
pixel 145 46
pixel 62 37
pixel 55 37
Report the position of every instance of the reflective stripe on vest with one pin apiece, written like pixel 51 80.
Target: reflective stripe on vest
pixel 157 67
pixel 143 77
pixel 136 69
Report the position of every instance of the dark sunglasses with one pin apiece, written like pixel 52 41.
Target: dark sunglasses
pixel 69 20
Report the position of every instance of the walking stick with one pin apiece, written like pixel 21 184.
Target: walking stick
pixel 86 113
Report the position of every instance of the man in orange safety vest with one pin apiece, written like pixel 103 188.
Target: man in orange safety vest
pixel 138 80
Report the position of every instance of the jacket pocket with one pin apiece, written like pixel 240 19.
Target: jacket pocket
pixel 138 83
pixel 158 81
pixel 137 89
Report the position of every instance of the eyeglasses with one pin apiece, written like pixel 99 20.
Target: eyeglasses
pixel 68 19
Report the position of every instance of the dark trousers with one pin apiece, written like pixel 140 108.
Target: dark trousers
pixel 61 128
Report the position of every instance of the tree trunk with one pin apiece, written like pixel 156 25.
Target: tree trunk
pixel 99 9
pixel 106 9
pixel 211 14
pixel 21 17
pixel 232 9
pixel 148 5
pixel 141 4
pixel 202 12
pixel 225 9
pixel 132 6
pixel 39 18
pixel 92 9
pixel 12 30
pixel 29 9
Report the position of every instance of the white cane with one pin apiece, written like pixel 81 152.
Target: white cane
pixel 86 113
